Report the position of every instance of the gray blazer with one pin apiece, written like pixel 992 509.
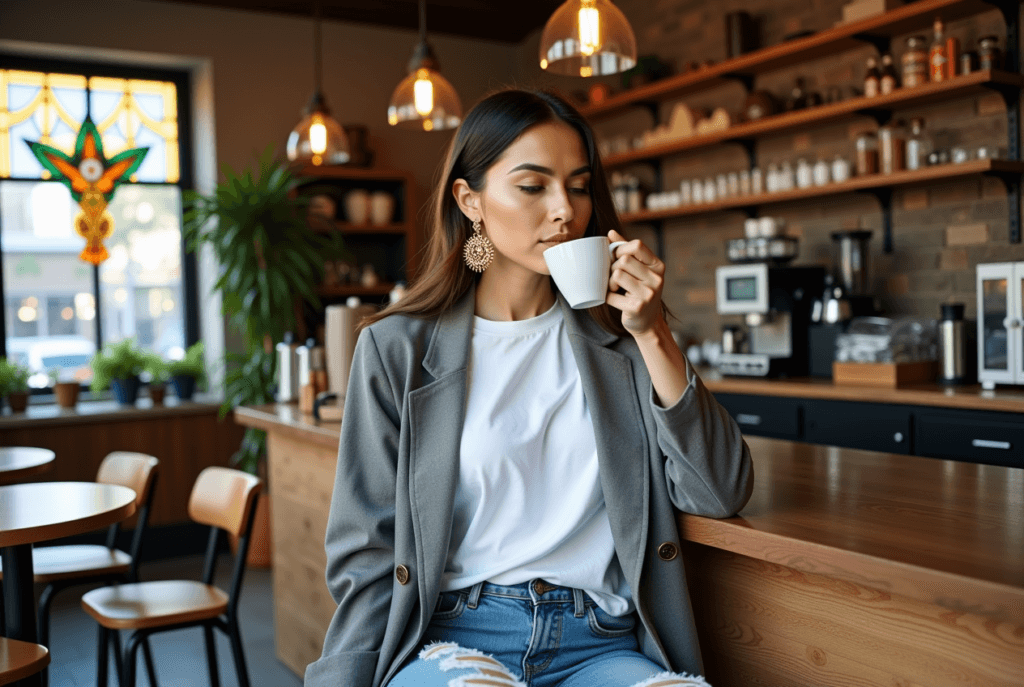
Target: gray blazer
pixel 391 513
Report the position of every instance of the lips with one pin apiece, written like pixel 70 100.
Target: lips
pixel 558 238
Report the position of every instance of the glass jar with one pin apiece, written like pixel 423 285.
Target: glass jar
pixel 867 154
pixel 821 173
pixel 804 174
pixel 989 55
pixel 915 62
pixel 840 169
pixel 891 142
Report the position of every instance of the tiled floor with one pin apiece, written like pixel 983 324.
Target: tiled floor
pixel 180 656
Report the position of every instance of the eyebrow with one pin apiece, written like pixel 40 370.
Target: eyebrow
pixel 550 172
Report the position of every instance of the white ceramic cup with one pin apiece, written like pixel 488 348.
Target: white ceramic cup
pixel 581 269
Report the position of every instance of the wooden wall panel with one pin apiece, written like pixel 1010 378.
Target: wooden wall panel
pixel 184 444
pixel 764 623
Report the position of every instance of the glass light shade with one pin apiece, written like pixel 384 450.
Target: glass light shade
pixel 425 100
pixel 587 38
pixel 319 140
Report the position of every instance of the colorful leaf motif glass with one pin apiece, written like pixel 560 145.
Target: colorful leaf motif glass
pixel 50 108
pixel 92 180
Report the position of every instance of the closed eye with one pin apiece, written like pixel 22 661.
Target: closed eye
pixel 537 189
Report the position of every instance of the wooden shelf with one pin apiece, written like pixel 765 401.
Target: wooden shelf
pixel 961 86
pixel 343 290
pixel 864 183
pixel 347 228
pixel 913 17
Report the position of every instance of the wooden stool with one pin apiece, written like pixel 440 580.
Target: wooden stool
pixel 225 499
pixel 60 567
pixel 18 660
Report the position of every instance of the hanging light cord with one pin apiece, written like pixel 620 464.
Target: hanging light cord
pixel 423 21
pixel 317 66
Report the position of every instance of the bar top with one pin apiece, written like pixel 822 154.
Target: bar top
pixel 1008 399
pixel 936 530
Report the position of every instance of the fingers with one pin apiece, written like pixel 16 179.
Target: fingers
pixel 638 251
pixel 635 287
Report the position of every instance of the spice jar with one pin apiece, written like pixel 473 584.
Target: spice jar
pixel 989 55
pixel 915 62
pixel 967 61
pixel 891 147
pixel 867 154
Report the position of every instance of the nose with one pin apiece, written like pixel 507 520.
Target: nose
pixel 561 207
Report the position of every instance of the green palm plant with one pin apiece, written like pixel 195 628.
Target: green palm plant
pixel 255 222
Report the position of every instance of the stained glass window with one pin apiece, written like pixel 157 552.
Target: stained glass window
pixel 50 108
pixel 57 309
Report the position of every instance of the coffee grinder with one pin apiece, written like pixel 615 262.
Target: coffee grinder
pixel 845 296
pixel 775 305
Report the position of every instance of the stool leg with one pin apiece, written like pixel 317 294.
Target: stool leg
pixel 147 654
pixel 236 648
pixel 131 657
pixel 115 640
pixel 102 657
pixel 211 655
pixel 43 626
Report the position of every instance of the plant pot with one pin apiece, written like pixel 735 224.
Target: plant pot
pixel 157 393
pixel 184 386
pixel 125 390
pixel 18 400
pixel 67 393
pixel 259 555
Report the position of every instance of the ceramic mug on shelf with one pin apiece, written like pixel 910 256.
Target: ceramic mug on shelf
pixel 357 206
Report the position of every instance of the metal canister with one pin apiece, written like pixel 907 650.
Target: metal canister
pixel 287 370
pixel 952 345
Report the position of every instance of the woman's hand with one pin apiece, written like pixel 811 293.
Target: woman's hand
pixel 641 274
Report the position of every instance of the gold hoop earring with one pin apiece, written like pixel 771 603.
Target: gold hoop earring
pixel 478 252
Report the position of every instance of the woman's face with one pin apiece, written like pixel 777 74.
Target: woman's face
pixel 537 194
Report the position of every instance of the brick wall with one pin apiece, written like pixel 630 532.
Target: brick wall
pixel 941 231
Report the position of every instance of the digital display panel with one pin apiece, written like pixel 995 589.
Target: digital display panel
pixel 741 288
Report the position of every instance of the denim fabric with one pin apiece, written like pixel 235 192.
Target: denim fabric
pixel 558 638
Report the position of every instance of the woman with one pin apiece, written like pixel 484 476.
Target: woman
pixel 509 468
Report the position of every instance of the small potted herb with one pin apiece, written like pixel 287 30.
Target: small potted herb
pixel 158 375
pixel 14 384
pixel 66 393
pixel 118 366
pixel 186 372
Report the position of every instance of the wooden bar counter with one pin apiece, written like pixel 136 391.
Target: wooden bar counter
pixel 846 567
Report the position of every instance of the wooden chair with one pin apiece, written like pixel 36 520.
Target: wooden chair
pixel 225 499
pixel 60 567
pixel 18 660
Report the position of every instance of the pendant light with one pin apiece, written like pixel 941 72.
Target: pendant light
pixel 318 139
pixel 587 38
pixel 424 99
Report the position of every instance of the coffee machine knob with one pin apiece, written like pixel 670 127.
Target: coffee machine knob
pixel 898 437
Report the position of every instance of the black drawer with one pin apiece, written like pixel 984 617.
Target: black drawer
pixel 991 438
pixel 870 426
pixel 764 416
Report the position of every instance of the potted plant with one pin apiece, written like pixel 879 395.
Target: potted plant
pixel 66 393
pixel 118 366
pixel 14 384
pixel 186 372
pixel 158 374
pixel 255 223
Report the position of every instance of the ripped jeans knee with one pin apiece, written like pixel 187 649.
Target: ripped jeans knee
pixel 446 664
pixel 669 679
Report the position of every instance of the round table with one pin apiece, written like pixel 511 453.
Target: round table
pixel 41 511
pixel 19 462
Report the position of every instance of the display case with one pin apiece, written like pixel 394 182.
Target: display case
pixel 1000 320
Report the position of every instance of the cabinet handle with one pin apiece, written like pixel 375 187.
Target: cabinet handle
pixel 748 419
pixel 988 443
pixel 898 437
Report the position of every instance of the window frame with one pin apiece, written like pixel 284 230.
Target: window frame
pixel 186 180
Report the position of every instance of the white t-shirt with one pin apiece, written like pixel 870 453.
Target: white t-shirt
pixel 529 501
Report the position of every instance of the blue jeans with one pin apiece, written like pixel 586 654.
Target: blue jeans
pixel 532 634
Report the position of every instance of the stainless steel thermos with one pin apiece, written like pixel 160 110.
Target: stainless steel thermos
pixel 952 344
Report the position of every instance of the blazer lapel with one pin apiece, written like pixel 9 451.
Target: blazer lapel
pixel 622 450
pixel 436 416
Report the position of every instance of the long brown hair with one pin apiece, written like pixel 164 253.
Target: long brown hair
pixel 487 130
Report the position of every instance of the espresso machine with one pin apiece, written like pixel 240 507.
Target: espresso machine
pixel 775 305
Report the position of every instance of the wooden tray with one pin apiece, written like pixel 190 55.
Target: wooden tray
pixel 885 375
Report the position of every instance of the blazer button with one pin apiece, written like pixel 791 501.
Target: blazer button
pixel 402 574
pixel 668 551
